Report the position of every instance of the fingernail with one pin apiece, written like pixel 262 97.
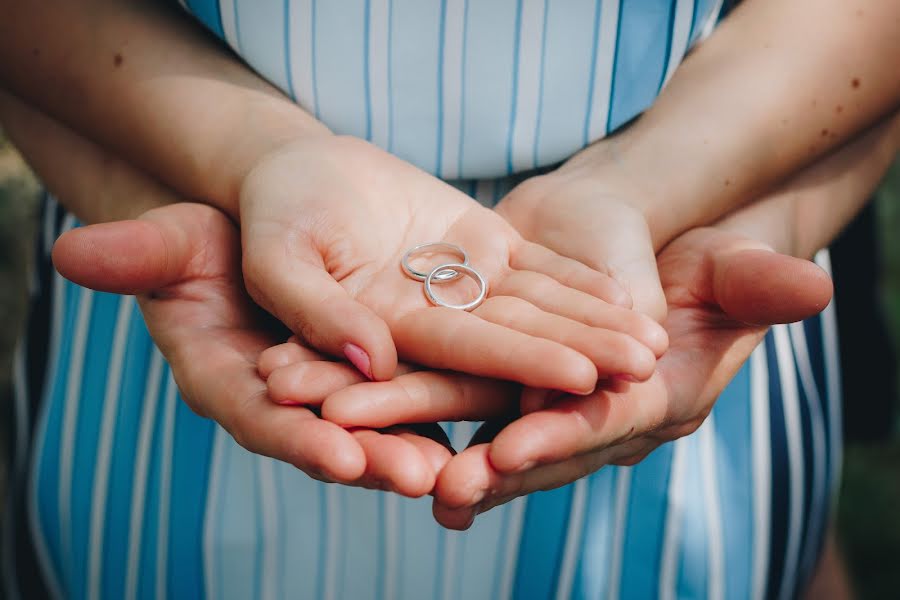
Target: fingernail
pixel 626 377
pixel 471 520
pixel 359 358
pixel 477 496
pixel 578 393
pixel 525 466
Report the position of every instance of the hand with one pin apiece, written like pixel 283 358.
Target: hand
pixel 184 262
pixel 324 224
pixel 594 220
pixel 717 314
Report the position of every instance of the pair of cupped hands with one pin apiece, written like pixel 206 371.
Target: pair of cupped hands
pixel 589 350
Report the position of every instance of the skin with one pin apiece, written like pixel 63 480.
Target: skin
pixel 102 49
pixel 408 461
pixel 106 49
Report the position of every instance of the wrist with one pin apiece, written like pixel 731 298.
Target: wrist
pixel 618 166
pixel 264 126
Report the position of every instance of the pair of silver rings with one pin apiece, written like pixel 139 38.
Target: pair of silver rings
pixel 445 273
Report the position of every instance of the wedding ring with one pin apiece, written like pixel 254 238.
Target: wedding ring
pixel 442 275
pixel 458 269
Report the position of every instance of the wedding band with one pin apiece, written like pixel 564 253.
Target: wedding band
pixel 442 275
pixel 459 269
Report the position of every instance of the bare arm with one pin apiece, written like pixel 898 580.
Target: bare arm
pixel 92 183
pixel 137 77
pixel 807 211
pixel 776 86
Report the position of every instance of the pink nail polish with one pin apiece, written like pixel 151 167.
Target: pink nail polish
pixel 359 358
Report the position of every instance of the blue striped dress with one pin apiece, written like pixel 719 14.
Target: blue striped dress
pixel 118 490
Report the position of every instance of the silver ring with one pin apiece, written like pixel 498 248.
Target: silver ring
pixel 459 269
pixel 442 276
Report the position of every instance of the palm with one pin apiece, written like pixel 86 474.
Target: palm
pixel 187 271
pixel 711 285
pixel 342 229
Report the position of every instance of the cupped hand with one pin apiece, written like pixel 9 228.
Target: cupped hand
pixel 183 262
pixel 324 224
pixel 717 314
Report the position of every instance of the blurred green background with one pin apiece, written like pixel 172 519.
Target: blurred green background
pixel 868 517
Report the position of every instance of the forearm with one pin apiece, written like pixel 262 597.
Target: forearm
pixel 140 79
pixel 807 211
pixel 92 183
pixel 778 85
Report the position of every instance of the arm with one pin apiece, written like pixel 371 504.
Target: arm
pixel 717 313
pixel 138 78
pixel 776 86
pixel 810 209
pixel 96 186
pixel 324 219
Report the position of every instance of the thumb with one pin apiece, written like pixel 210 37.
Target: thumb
pixel 125 257
pixel 762 287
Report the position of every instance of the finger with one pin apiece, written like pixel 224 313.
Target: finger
pixel 431 441
pixel 461 341
pixel 612 353
pixel 552 296
pixel 795 289
pixel 395 464
pixel 311 382
pixel 136 256
pixel 229 391
pixel 577 425
pixel 595 280
pixel 424 396
pixel 468 485
pixel 283 355
pixel 306 298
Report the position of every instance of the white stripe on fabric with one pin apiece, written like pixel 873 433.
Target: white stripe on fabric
pixel 210 518
pixel 528 90
pixel 712 20
pixel 762 469
pixel 681 35
pixel 300 46
pixel 623 492
pixel 452 84
pixel 668 575
pixel 391 551
pixel 141 467
pixel 333 539
pixel 819 450
pixel 228 13
pixel 51 577
pixel 104 448
pixel 603 70
pixel 715 542
pixel 379 82
pixel 516 516
pixel 573 539
pixel 794 434
pixel 271 530
pixel 70 418
pixel 462 433
pixel 832 380
pixel 165 487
